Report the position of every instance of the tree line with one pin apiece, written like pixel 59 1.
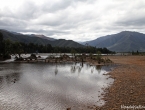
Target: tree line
pixel 8 47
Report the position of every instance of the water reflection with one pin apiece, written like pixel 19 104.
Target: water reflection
pixel 35 86
pixel 98 68
pixel 76 68
pixel 9 78
pixel 1 69
pixel 12 78
pixel 1 81
pixel 56 70
pixel 92 70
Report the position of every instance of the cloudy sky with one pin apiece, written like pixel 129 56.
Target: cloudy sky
pixel 80 20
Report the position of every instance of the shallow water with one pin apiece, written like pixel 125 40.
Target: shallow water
pixel 50 86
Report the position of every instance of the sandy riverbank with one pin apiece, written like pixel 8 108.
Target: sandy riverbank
pixel 128 88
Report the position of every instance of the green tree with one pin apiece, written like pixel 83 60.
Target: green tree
pixel 73 52
pixel 17 49
pixel 49 48
pixel 8 47
pixel 1 43
pixel 1 37
pixel 137 52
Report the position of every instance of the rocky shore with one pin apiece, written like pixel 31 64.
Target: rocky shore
pixel 128 89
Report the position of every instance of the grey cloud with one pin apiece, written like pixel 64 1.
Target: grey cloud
pixel 135 22
pixel 28 11
pixel 25 11
pixel 7 21
pixel 81 19
pixel 6 12
pixel 132 18
pixel 61 5
pixel 45 32
pixel 56 6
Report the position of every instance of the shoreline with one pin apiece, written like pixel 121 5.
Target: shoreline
pixel 128 88
pixel 91 62
pixel 46 64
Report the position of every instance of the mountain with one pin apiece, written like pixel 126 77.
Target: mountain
pixel 42 36
pixel 125 41
pixel 22 38
pixel 69 43
pixel 38 39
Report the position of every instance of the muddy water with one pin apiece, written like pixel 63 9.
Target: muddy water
pixel 42 86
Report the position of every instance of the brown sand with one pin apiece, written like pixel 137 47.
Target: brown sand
pixel 129 84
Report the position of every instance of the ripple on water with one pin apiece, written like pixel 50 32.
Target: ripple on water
pixel 50 86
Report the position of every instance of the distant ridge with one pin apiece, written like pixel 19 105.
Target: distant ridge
pixel 125 41
pixel 38 39
pixel 42 36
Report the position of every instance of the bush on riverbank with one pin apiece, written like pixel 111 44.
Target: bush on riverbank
pixel 4 57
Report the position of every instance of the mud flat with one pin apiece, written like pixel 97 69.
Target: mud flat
pixel 128 89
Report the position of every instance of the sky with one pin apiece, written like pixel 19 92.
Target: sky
pixel 78 20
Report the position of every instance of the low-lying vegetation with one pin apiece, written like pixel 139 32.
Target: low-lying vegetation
pixel 96 59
